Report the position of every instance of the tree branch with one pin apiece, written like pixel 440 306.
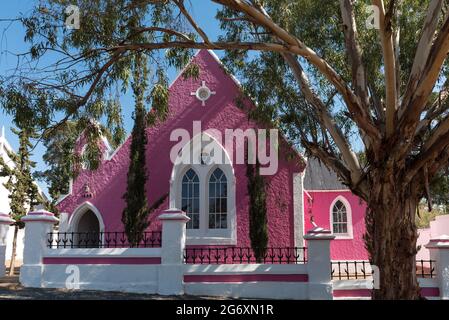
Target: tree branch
pixel 354 52
pixel 427 156
pixel 427 79
pixel 361 116
pixel 327 122
pixel 422 52
pixel 180 4
pixel 387 41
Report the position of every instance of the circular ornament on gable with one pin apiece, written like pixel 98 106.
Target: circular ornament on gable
pixel 203 93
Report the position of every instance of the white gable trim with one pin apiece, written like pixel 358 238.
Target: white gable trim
pixel 298 209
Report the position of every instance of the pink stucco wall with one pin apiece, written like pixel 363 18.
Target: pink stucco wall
pixel 423 239
pixel 108 183
pixel 320 209
pixel 438 227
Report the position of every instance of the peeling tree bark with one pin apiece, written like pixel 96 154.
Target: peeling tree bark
pixel 391 236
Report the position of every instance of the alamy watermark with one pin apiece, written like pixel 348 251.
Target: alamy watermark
pixel 73 17
pixel 72 281
pixel 373 20
pixel 240 147
pixel 376 276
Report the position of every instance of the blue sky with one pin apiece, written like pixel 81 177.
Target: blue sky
pixel 12 42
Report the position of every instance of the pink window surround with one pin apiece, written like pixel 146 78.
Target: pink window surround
pixel 247 278
pixel 102 260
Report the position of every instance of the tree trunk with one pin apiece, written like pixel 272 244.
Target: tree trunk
pixel 14 248
pixel 391 237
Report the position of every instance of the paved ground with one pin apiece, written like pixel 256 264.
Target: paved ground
pixel 11 289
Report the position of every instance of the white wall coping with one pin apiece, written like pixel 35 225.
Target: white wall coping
pixel 213 269
pixel 439 242
pixel 352 284
pixel 368 284
pixel 103 252
pixel 166 215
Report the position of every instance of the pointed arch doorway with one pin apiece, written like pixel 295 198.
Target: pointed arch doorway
pixel 87 226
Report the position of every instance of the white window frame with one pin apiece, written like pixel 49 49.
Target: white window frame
pixel 349 234
pixel 204 235
pixel 180 190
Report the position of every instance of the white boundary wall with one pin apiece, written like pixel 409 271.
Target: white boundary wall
pixel 249 289
pixel 5 221
pixel 19 248
pixel 89 269
pixel 162 270
pixel 125 278
pixel 359 289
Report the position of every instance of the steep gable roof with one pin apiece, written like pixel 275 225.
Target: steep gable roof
pixel 319 177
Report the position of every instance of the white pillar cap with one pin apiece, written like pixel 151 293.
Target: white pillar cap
pixel 319 233
pixel 174 214
pixel 40 216
pixel 441 242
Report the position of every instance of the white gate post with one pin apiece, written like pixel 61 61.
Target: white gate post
pixel 37 225
pixel 171 271
pixel 439 251
pixel 5 222
pixel 319 263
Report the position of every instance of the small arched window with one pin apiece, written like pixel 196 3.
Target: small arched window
pixel 218 200
pixel 190 198
pixel 339 218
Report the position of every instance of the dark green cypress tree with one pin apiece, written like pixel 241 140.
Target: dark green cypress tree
pixel 135 214
pixel 258 230
pixel 24 194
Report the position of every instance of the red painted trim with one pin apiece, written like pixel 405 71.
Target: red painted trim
pixel 439 240
pixel 40 213
pixel 430 292
pixel 39 220
pixel 352 293
pixel 102 260
pixel 247 278
pixel 425 292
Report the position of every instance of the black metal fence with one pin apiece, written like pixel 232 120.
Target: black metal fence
pixel 101 240
pixel 425 268
pixel 245 255
pixel 350 270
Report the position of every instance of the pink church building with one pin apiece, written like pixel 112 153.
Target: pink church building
pixel 301 192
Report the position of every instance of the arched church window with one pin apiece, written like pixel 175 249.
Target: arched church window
pixel 218 200
pixel 190 198
pixel 339 218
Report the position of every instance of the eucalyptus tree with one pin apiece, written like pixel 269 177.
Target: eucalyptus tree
pixel 339 76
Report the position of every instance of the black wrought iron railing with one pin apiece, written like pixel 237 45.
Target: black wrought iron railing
pixel 350 270
pixel 245 255
pixel 57 240
pixel 425 268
